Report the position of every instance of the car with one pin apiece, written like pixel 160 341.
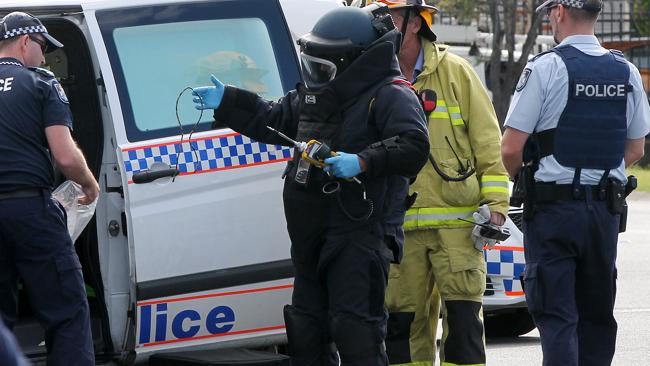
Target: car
pixel 188 248
pixel 504 302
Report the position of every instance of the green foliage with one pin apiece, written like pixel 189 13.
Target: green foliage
pixel 641 17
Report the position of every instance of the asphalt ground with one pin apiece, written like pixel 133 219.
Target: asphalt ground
pixel 632 310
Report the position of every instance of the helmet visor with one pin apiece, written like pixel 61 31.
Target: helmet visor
pixel 317 71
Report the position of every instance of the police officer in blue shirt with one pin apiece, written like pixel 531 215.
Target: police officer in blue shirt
pixel 35 124
pixel 586 113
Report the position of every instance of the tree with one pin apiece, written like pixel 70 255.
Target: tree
pixel 505 73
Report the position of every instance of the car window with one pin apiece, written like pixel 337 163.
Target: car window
pixel 154 60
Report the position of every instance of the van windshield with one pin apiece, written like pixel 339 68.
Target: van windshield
pixel 154 60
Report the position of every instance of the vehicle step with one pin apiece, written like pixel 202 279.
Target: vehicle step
pixel 225 357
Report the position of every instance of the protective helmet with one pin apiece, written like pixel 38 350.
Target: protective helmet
pixel 338 38
pixel 424 10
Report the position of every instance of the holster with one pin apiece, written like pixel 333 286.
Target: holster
pixel 615 196
pixel 628 188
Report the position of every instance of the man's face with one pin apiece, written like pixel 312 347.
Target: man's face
pixel 33 53
pixel 413 25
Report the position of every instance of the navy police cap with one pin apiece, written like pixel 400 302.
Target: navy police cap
pixel 589 5
pixel 18 23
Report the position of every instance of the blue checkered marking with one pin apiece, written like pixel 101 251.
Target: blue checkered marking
pixel 219 152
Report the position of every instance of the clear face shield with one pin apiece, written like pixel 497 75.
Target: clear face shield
pixel 316 71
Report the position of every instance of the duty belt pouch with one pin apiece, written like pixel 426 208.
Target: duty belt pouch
pixel 615 197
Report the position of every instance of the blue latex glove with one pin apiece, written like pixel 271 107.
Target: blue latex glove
pixel 208 97
pixel 343 165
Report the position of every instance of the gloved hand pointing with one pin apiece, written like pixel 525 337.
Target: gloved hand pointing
pixel 343 165
pixel 208 97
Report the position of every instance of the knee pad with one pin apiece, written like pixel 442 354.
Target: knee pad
pixel 358 340
pixel 464 343
pixel 398 336
pixel 305 333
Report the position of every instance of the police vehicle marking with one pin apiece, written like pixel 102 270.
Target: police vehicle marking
pixel 506 264
pixel 205 316
pixel 206 154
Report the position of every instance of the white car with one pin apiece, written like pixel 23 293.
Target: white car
pixel 200 260
pixel 504 302
pixel 176 264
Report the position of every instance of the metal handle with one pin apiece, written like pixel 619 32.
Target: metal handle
pixel 149 175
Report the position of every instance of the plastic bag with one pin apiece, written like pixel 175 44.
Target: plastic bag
pixel 68 194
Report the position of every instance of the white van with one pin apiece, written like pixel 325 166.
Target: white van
pixel 200 260
pixel 188 250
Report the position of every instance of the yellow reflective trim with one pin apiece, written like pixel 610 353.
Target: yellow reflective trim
pixel 440 210
pixel 494 178
pixel 418 363
pixel 440 115
pixel 457 122
pixel 464 364
pixel 495 190
pixel 454 109
pixel 441 103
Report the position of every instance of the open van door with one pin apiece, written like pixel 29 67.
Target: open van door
pixel 208 246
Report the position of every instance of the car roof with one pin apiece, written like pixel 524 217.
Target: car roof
pixel 44 5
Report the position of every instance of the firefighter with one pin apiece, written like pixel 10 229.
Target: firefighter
pixel 464 172
pixel 345 222
pixel 586 125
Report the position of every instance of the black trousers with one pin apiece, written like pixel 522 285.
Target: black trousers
pixel 570 281
pixel 341 296
pixel 35 246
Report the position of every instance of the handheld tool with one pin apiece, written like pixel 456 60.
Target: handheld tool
pixel 314 151
pixel 490 231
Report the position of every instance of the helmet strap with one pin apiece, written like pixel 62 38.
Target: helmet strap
pixel 405 25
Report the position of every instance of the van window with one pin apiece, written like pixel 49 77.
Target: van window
pixel 156 52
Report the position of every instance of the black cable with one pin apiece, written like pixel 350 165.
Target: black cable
pixel 180 126
pixel 336 189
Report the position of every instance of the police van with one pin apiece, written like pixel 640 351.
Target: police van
pixel 188 249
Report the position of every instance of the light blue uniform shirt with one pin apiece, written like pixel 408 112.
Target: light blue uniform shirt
pixel 419 65
pixel 542 94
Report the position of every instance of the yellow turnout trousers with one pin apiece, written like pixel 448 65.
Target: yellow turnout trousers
pixel 442 261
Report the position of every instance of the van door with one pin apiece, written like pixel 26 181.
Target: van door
pixel 218 223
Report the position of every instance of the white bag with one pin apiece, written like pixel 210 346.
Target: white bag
pixel 68 194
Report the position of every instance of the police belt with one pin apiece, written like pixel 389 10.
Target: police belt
pixel 21 193
pixel 549 192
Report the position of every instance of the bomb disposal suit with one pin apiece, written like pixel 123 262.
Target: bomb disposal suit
pixel 464 171
pixel 343 232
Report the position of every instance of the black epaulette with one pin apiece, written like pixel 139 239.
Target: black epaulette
pixel 540 55
pixel 42 71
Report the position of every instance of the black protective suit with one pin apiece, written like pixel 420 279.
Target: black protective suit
pixel 342 263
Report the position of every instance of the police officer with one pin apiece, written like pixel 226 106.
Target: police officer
pixel 587 114
pixel 10 353
pixel 35 125
pixel 343 231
